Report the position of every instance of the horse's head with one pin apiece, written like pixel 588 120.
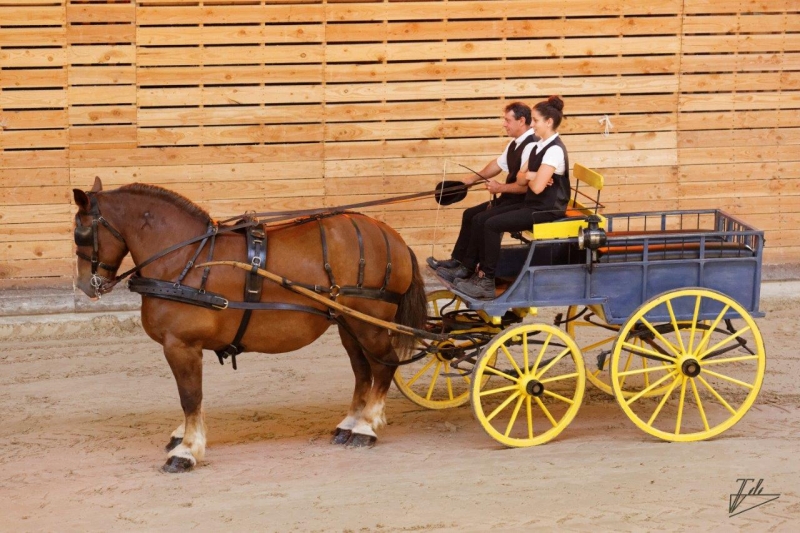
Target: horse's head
pixel 100 247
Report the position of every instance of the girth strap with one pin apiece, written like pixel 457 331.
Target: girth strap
pixel 257 258
pixel 361 261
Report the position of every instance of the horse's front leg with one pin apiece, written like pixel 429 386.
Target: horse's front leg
pixel 188 442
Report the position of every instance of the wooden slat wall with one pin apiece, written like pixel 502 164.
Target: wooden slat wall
pixel 262 104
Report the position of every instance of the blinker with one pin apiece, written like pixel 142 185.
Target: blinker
pixel 84 236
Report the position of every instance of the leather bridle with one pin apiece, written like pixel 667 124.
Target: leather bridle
pixel 88 236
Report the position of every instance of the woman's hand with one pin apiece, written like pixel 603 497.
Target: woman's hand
pixel 494 187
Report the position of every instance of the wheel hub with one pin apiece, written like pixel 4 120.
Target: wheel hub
pixel 534 388
pixel 690 367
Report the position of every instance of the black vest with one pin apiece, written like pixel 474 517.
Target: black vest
pixel 556 196
pixel 514 160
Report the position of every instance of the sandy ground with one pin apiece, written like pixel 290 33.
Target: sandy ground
pixel 88 406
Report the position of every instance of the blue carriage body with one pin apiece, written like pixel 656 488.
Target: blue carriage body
pixel 647 253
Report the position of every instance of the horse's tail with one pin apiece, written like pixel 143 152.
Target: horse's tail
pixel 412 311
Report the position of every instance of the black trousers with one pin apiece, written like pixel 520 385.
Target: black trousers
pixel 487 230
pixel 465 233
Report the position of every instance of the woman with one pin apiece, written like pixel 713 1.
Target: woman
pixel 546 199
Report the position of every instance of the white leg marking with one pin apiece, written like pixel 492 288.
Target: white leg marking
pixel 178 433
pixel 348 423
pixel 375 415
pixel 363 428
pixel 183 451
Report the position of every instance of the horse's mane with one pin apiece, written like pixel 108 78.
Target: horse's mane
pixel 170 196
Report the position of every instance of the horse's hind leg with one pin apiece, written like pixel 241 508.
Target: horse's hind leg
pixel 371 416
pixel 186 363
pixel 363 375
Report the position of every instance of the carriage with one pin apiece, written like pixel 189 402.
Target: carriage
pixel 656 309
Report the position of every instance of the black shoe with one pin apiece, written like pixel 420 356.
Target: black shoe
pixel 452 274
pixel 477 287
pixel 445 263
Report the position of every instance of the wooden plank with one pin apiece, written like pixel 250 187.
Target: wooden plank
pixel 47 36
pixel 30 78
pixel 169 174
pixel 39 273
pixel 93 95
pixel 102 75
pixel 191 155
pixel 32 57
pixel 32 15
pixel 230 75
pixel 228 14
pixel 229 55
pixel 740 62
pixel 33 195
pixel 95 115
pixel 729 101
pixel 228 35
pixel 740 81
pixel 33 139
pixel 35 232
pixel 33 99
pixel 101 33
pixel 279 94
pixel 729 172
pixel 699 44
pixel 34 177
pixel 41 214
pixel 229 135
pixel 102 134
pixel 733 6
pixel 96 13
pixel 720 138
pixel 102 54
pixel 239 114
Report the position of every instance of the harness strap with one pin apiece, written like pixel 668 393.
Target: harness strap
pixel 212 226
pixel 334 288
pixel 388 260
pixel 361 261
pixel 190 264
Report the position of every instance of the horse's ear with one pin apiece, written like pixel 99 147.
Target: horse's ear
pixel 98 185
pixel 81 199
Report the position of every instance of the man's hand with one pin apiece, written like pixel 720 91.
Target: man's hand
pixel 494 187
pixel 550 182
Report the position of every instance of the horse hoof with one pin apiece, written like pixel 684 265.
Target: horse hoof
pixel 173 442
pixel 359 440
pixel 177 465
pixel 341 436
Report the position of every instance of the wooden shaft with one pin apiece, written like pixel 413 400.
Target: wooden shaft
pixel 399 328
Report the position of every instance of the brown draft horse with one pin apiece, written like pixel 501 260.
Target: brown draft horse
pixel 148 219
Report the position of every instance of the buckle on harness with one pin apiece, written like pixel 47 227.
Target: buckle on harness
pixel 334 291
pixel 221 307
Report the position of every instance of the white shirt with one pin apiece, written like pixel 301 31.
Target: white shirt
pixel 554 156
pixel 502 161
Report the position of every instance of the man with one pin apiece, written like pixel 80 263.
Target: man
pixel 516 121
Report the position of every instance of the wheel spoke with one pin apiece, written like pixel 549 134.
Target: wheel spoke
pixel 502 406
pixel 680 406
pixel 555 360
pixel 559 378
pixel 645 370
pixel 498 390
pixel 514 415
pixel 513 363
pixel 694 323
pixel 660 337
pixel 449 384
pixel 675 325
pixel 435 304
pixel 557 396
pixel 724 341
pixel 525 361
pixel 716 395
pixel 546 411
pixel 627 366
pixel 707 335
pixel 643 350
pixel 421 372
pixel 541 353
pixel 728 360
pixel 699 404
pixel 651 387
pixel 530 416
pixel 728 378
pixel 433 381
pixel 496 372
pixel 662 403
pixel 598 343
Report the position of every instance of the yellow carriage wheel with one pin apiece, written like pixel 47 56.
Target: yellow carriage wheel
pixel 594 337
pixel 538 385
pixel 709 367
pixel 423 382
